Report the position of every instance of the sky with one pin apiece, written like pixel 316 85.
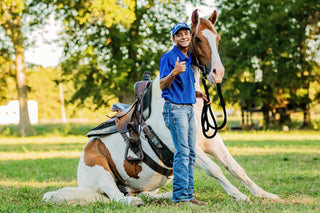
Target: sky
pixel 204 10
pixel 47 51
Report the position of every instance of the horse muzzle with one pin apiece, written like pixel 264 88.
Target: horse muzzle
pixel 215 75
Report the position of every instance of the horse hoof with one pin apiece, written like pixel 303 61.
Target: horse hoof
pixel 137 202
pixel 277 198
pixel 242 197
pixel 273 197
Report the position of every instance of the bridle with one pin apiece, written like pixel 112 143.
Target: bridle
pixel 205 123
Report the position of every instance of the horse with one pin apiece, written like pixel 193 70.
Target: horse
pixel 105 171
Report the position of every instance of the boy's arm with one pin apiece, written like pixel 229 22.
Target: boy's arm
pixel 166 81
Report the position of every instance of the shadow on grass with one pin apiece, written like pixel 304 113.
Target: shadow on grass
pixel 43 147
pixel 50 129
pixel 53 169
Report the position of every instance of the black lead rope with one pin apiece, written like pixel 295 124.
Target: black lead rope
pixel 205 123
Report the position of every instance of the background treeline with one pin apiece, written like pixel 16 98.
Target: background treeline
pixel 43 86
pixel 270 51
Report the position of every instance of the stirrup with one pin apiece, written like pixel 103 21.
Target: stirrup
pixel 137 143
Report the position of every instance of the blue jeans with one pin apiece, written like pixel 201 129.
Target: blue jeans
pixel 180 120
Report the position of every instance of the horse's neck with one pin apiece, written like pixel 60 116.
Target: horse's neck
pixel 157 100
pixel 196 72
pixel 199 103
pixel 156 91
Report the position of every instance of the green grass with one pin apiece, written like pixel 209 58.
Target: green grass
pixel 50 129
pixel 284 163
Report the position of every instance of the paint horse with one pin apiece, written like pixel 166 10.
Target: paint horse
pixel 105 171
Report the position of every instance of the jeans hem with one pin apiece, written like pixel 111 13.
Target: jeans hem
pixel 183 200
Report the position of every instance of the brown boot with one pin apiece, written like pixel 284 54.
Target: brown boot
pixel 198 202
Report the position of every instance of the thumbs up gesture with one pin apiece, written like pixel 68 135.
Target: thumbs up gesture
pixel 179 67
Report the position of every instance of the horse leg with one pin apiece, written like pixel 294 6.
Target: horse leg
pixel 105 184
pixel 97 171
pixel 154 194
pixel 213 170
pixel 217 149
pixel 74 195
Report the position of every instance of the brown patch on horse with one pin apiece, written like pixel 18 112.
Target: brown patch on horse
pixel 132 169
pixel 96 153
pixel 205 24
pixel 202 49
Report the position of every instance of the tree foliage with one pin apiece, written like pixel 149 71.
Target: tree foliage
pixel 104 56
pixel 266 50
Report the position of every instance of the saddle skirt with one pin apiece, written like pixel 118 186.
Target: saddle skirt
pixel 105 128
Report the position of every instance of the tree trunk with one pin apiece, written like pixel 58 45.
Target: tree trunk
pixel 285 119
pixel 306 118
pixel 25 127
pixel 63 111
pixel 266 117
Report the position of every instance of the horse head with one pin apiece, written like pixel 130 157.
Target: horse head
pixel 204 47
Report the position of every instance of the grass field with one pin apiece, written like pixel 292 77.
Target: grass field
pixel 284 163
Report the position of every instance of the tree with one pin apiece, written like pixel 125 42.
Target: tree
pixel 104 56
pixel 10 20
pixel 16 18
pixel 265 50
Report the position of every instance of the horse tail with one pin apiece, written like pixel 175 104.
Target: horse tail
pixel 74 195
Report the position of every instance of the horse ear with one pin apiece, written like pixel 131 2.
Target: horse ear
pixel 213 17
pixel 195 17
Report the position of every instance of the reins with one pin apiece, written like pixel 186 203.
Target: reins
pixel 205 119
pixel 205 122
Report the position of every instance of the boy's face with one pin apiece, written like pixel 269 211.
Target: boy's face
pixel 182 38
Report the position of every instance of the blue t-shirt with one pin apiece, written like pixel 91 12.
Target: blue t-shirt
pixel 182 89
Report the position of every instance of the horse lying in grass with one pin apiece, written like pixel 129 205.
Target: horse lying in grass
pixel 110 168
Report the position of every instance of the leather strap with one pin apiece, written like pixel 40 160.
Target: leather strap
pixel 156 167
pixel 148 160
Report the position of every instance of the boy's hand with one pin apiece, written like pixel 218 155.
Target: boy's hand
pixel 179 67
pixel 203 96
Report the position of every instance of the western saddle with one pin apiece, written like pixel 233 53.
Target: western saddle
pixel 129 121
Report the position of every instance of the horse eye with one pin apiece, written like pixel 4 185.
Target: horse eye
pixel 198 40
